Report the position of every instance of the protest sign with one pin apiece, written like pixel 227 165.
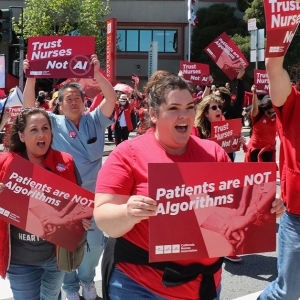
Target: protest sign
pixel 135 79
pixel 227 55
pixel 33 193
pixel 227 134
pixel 60 56
pixel 282 20
pixel 195 73
pixel 211 209
pixel 261 81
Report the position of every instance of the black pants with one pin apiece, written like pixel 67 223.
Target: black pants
pixel 121 134
pixel 266 156
pixel 109 135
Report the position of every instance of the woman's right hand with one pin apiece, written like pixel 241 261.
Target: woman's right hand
pixel 141 208
pixel 2 187
pixel 26 65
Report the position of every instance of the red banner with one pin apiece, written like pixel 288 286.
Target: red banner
pixel 220 210
pixel 60 56
pixel 282 20
pixel 227 134
pixel 195 73
pixel 261 80
pixel 33 193
pixel 227 55
pixel 111 50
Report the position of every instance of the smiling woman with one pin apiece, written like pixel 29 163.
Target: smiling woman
pixel 123 208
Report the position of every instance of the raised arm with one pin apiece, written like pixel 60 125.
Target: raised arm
pixel 254 108
pixel 240 91
pixel 279 80
pixel 29 89
pixel 110 97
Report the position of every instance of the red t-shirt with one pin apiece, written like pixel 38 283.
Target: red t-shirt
pixel 288 124
pixel 263 132
pixel 125 172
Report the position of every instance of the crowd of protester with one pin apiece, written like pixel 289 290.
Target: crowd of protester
pixel 172 123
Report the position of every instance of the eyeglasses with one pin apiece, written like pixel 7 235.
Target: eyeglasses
pixel 270 113
pixel 123 101
pixel 215 107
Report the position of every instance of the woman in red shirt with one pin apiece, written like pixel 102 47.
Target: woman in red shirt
pixel 262 144
pixel 123 208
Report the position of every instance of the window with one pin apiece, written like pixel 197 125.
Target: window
pixel 137 40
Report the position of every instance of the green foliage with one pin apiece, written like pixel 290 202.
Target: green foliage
pixel 256 10
pixel 212 22
pixel 61 17
pixel 242 5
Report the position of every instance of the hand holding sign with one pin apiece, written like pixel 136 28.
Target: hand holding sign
pixel 141 208
pixel 2 187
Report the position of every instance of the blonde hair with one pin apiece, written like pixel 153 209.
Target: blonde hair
pixel 201 121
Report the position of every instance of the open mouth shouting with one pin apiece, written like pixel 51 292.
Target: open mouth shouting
pixel 182 128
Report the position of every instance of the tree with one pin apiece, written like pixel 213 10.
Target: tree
pixel 292 59
pixel 213 21
pixel 62 17
pixel 242 5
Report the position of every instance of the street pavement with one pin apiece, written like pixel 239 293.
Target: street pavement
pixel 240 281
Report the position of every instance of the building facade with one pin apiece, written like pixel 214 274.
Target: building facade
pixel 138 23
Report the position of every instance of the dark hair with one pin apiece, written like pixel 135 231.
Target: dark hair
pixel 265 104
pixel 56 109
pixel 41 99
pixel 225 95
pixel 160 83
pixel 67 86
pixel 12 140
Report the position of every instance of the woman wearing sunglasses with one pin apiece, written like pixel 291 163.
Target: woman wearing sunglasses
pixel 262 144
pixel 209 110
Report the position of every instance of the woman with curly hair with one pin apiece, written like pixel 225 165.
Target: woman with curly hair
pixel 208 110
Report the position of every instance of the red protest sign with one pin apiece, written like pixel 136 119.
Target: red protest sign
pixel 282 20
pixel 33 193
pixel 261 80
pixel 227 55
pixel 222 209
pixel 135 79
pixel 60 56
pixel 227 133
pixel 195 73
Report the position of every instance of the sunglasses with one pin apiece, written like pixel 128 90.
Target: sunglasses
pixel 270 113
pixel 215 107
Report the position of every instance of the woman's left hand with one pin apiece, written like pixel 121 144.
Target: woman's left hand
pixel 86 223
pixel 242 140
pixel 277 206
